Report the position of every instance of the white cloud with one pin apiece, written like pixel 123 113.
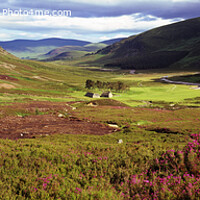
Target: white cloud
pixel 101 24
pixel 5 36
pixel 113 36
pixel 80 28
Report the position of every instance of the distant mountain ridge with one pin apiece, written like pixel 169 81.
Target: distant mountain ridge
pixel 21 45
pixel 71 52
pixel 36 48
pixel 174 45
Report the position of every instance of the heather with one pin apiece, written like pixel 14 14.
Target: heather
pixel 97 167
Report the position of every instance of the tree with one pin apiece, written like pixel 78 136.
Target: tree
pixel 89 84
pixel 116 86
pixel 99 84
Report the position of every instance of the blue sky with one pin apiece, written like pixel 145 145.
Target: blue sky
pixel 93 20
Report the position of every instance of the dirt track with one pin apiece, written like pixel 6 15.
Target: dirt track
pixel 30 126
pixel 13 127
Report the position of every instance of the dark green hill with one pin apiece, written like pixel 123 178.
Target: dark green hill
pixel 176 45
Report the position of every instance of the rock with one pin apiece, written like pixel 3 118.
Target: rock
pixel 61 116
pixel 120 141
pixel 92 104
pixel 113 125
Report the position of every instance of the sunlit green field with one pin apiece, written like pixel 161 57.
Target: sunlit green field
pixel 145 89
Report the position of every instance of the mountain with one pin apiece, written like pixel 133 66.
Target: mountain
pixel 176 45
pixel 33 48
pixel 71 52
pixel 51 47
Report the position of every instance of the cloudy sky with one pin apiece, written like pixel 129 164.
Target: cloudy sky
pixel 90 20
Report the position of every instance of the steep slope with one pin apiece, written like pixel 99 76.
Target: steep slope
pixel 175 45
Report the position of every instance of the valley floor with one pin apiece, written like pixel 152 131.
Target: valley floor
pixel 56 143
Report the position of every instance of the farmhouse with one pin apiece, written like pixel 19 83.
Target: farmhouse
pixel 107 94
pixel 92 95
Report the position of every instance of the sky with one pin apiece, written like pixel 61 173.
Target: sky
pixel 89 20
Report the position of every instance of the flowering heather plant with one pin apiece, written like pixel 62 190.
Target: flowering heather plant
pixel 65 167
pixel 175 175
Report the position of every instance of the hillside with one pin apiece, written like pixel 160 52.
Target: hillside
pixel 71 52
pixel 33 48
pixel 176 45
pixel 3 52
pixel 51 47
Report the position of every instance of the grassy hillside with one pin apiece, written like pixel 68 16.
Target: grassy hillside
pixel 71 52
pixel 176 46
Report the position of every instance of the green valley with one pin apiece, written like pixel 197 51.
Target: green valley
pixel 143 143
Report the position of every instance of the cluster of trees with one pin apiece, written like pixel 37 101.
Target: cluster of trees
pixel 114 86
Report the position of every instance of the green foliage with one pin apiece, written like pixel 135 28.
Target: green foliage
pixel 113 86
pixel 96 167
pixel 22 114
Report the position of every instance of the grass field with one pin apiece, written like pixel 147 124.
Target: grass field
pixel 158 124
